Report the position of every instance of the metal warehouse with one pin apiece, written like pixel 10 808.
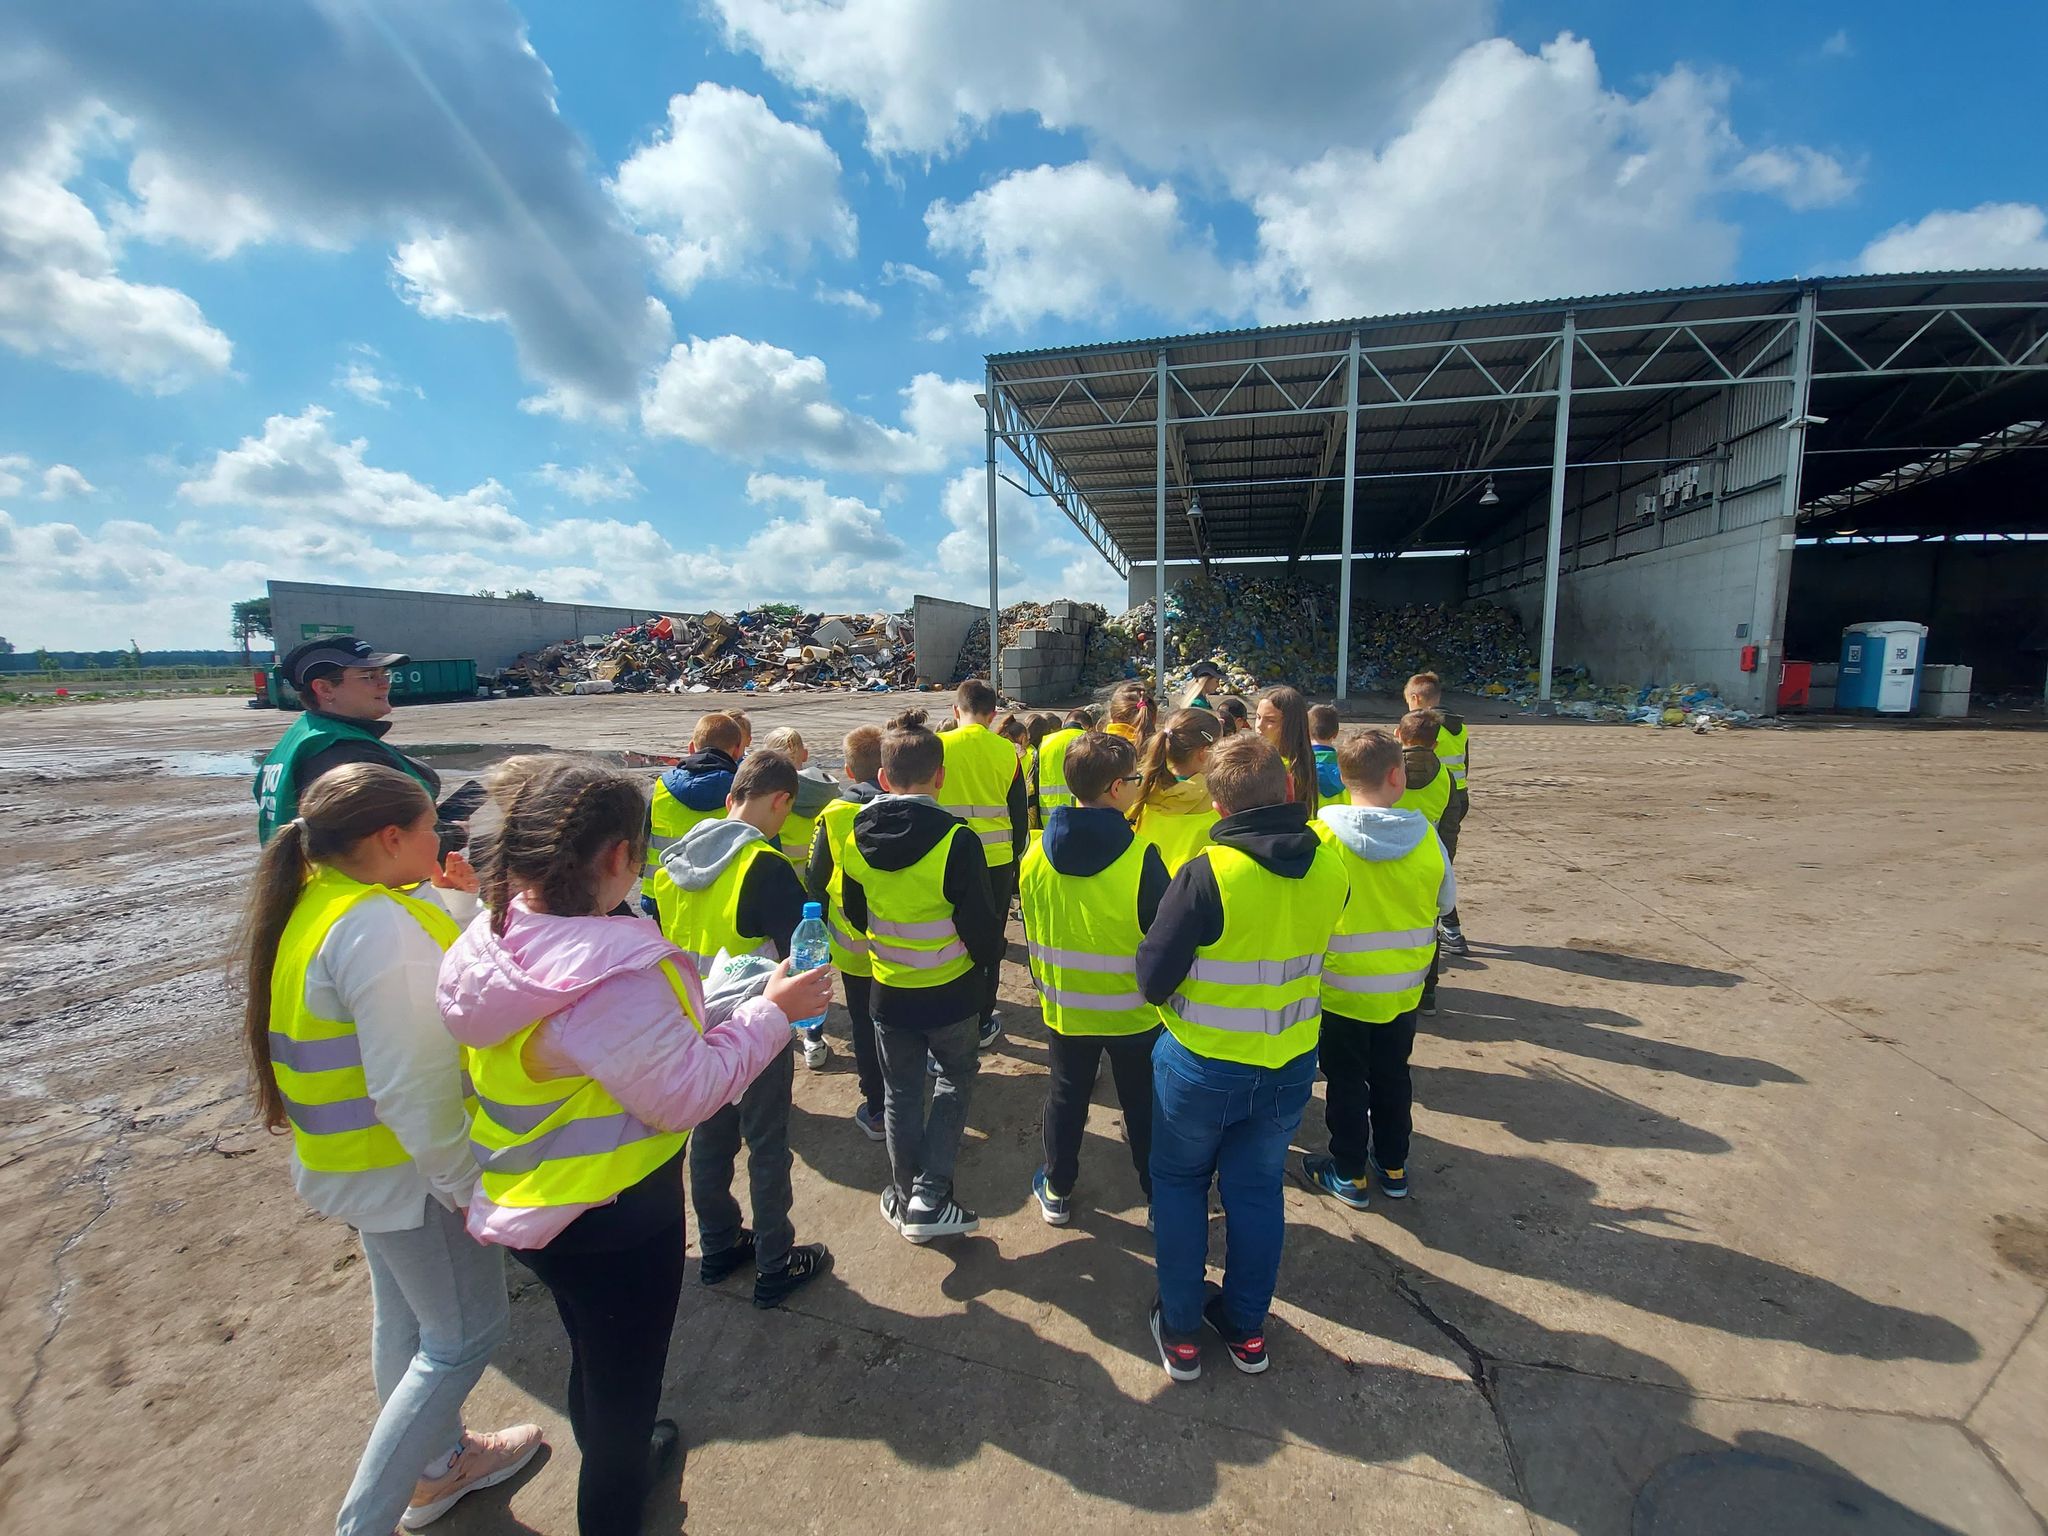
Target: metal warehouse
pixel 1685 485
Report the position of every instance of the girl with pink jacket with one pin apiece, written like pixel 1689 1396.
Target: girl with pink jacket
pixel 594 1052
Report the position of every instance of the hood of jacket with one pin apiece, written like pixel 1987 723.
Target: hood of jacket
pixel 1278 836
pixel 1085 840
pixel 815 789
pixel 701 780
pixel 1375 834
pixel 1329 777
pixel 704 851
pixel 494 985
pixel 1188 797
pixel 1422 765
pixel 1452 722
pixel 859 791
pixel 895 831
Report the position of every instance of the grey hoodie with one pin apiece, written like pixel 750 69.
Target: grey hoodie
pixel 771 901
pixel 1380 835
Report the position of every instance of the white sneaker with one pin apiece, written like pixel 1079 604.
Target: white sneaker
pixel 922 1223
pixel 816 1051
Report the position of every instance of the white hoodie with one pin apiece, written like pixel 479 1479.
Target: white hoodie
pixel 1379 835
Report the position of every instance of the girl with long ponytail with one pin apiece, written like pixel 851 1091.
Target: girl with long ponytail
pixel 338 956
pixel 1173 812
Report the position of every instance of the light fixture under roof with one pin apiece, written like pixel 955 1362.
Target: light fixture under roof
pixel 1489 497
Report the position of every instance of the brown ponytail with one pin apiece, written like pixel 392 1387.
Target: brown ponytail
pixel 1187 733
pixel 336 813
pixel 560 819
pixel 1295 743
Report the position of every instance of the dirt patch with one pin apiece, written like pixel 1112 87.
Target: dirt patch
pixel 2021 1244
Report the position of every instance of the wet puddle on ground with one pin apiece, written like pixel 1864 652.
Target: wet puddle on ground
pixel 210 765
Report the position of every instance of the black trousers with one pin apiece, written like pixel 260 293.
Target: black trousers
pixel 761 1120
pixel 1369 1106
pixel 1454 818
pixel 616 1283
pixel 1075 1060
pixel 867 1060
pixel 1002 879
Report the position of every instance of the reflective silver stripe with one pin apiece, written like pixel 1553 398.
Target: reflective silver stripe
pixel 579 1138
pixel 1394 938
pixel 1255 973
pixel 316 1055
pixel 656 843
pixel 1247 1021
pixel 1099 1002
pixel 1400 981
pixel 977 812
pixel 1083 960
pixel 332 1119
pixel 937 928
pixel 921 959
pixel 852 944
pixel 1451 757
pixel 989 839
pixel 519 1119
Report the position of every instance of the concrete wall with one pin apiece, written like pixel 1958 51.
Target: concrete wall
pixel 1383 583
pixel 942 627
pixel 1044 666
pixel 437 626
pixel 1984 605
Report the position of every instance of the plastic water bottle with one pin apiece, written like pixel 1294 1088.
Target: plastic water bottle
pixel 809 948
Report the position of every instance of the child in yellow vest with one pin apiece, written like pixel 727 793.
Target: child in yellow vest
pixel 1454 750
pixel 1174 812
pixel 984 787
pixel 1322 732
pixel 1377 967
pixel 825 877
pixel 692 791
pixel 1090 890
pixel 815 789
pixel 346 1050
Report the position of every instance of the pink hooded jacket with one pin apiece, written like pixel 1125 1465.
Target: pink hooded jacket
pixel 610 1015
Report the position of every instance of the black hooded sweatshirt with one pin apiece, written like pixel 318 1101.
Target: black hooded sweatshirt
pixel 1191 915
pixel 818 873
pixel 893 832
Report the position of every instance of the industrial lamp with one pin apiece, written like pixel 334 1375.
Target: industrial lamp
pixel 1487 497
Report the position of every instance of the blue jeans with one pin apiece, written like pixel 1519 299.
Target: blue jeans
pixel 1233 1123
pixel 439 1309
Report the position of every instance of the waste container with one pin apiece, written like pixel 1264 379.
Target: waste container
pixel 1795 680
pixel 414 682
pixel 1880 667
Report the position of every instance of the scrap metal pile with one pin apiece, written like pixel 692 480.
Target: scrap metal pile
pixel 770 649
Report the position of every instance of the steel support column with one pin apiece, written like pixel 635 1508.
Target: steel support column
pixel 1159 535
pixel 995 613
pixel 1553 543
pixel 1350 503
pixel 1774 560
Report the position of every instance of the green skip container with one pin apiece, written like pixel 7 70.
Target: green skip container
pixel 415 682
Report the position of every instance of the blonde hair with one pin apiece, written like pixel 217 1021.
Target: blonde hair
pixel 784 739
pixel 1424 685
pixel 1187 734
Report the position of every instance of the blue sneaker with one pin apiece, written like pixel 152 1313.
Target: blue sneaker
pixel 1393 1182
pixel 991 1031
pixel 870 1121
pixel 1051 1206
pixel 1320 1174
pixel 931 1065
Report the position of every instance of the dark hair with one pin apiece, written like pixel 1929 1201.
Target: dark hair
pixel 1232 712
pixel 1187 733
pixel 1081 717
pixel 716 733
pixel 338 810
pixel 863 747
pixel 1246 773
pixel 1131 705
pixel 1322 721
pixel 1296 746
pixel 911 753
pixel 558 823
pixel 1042 725
pixel 975 697
pixel 1419 727
pixel 1096 762
pixel 766 772
pixel 1366 757
pixel 1012 728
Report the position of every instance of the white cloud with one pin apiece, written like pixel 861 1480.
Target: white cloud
pixel 728 184
pixel 1231 83
pixel 60 481
pixel 942 413
pixel 1960 240
pixel 71 587
pixel 61 294
pixel 299 469
pixel 587 483
pixel 1039 556
pixel 359 376
pixel 753 401
pixel 1837 44
pixel 849 298
pixel 1080 242
pixel 217 220
pixel 1522 176
pixel 894 272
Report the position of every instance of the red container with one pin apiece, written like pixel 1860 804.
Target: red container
pixel 1794 679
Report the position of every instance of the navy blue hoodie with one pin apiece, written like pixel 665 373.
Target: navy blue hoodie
pixel 702 780
pixel 1083 840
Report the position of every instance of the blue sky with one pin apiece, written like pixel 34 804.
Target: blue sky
pixel 685 303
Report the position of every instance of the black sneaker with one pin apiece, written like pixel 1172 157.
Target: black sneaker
pixel 892 1208
pixel 922 1223
pixel 806 1263
pixel 1247 1350
pixel 663 1446
pixel 991 1031
pixel 1183 1361
pixel 716 1268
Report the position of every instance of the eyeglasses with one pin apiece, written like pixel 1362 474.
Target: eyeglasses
pixel 1132 778
pixel 371 674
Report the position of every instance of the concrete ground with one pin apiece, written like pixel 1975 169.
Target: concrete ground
pixel 1731 1205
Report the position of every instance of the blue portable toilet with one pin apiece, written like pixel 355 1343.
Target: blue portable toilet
pixel 1880 669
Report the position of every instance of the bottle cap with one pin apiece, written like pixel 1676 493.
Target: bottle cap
pixel 814 909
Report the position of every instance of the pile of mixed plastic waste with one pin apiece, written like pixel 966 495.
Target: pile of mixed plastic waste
pixel 1576 696
pixel 771 649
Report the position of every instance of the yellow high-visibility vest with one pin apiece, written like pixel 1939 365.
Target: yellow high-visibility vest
pixel 667 820
pixel 1052 770
pixel 1379 956
pixel 1431 799
pixel 912 941
pixel 1178 836
pixel 1451 750
pixel 318 1062
pixel 700 923
pixel 849 949
pixel 562 1140
pixel 980 768
pixel 1083 932
pixel 1255 995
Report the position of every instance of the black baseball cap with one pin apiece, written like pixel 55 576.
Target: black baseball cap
pixel 1205 669
pixel 336 651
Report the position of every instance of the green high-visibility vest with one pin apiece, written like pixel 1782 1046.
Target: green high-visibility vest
pixel 276 788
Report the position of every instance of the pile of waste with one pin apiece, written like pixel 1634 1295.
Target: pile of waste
pixel 1017 618
pixel 771 649
pixel 1576 696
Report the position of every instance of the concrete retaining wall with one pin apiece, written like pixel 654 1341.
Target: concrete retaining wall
pixel 436 626
pixel 1044 666
pixel 942 627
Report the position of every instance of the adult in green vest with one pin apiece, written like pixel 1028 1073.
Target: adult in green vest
pixel 346 685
